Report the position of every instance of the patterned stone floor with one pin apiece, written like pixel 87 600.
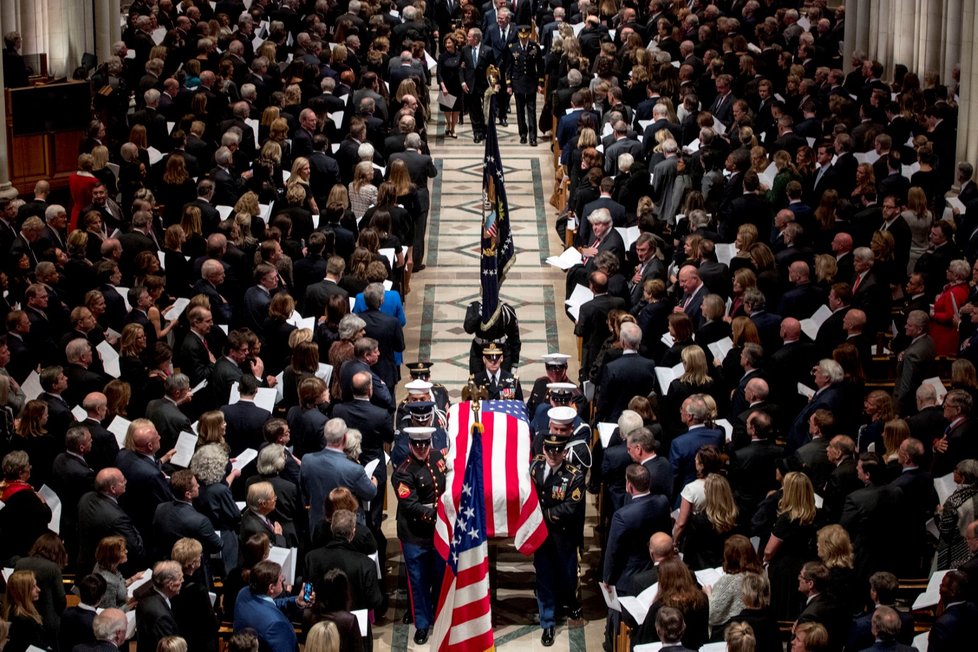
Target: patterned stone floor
pixel 435 311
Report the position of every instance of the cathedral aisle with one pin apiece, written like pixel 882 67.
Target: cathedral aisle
pixel 435 311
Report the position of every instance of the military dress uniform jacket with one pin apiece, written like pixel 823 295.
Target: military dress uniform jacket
pixel 524 68
pixel 561 498
pixel 418 485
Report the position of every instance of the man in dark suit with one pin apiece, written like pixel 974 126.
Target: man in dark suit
pixel 81 380
pixel 330 468
pixel 618 216
pixel 71 476
pixel 648 267
pixel 386 330
pixel 644 514
pixel 154 617
pixel 768 324
pixel 959 440
pixel 869 293
pixel 106 630
pixel 136 241
pixel 804 298
pixel 376 430
pixel 476 59
pixel 875 516
pixel 525 76
pixel 919 500
pixel 827 374
pixel 104 446
pixel 622 379
pixel 751 358
pixel 100 516
pixel 694 291
pixel 318 294
pixel 54 383
pixel 820 606
pixel 177 518
pixel 228 185
pixel 883 593
pixel 751 207
pixel 500 36
pixel 229 368
pixel 165 413
pixel 813 457
pixel 324 170
pixel 339 553
pixel 914 363
pixel 682 453
pixel 929 418
pixel 752 468
pixel 843 479
pixel 146 485
pixel 592 319
pixel 831 333
pixel 958 623
pixel 195 358
pixel 77 622
pixel 935 261
pixel 244 419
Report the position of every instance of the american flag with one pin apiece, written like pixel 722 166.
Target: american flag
pixel 464 616
pixel 495 497
pixel 497 252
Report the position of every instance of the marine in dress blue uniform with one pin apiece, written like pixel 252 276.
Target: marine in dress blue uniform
pixel 418 481
pixel 420 414
pixel 524 70
pixel 560 488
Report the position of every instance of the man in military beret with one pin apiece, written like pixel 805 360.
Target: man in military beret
pixel 421 414
pixel 421 370
pixel 560 487
pixel 499 383
pixel 418 481
pixel 524 70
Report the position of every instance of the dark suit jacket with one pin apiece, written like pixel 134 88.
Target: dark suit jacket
pixel 175 520
pixel 592 325
pixel 169 420
pixel 752 473
pixel 71 477
pixel 318 294
pixel 269 619
pixel 684 449
pixel 801 301
pixel 829 398
pixel 154 620
pixel 815 462
pixel 98 517
pixel 631 526
pixel 954 629
pixel 244 422
pixel 831 613
pixel 76 629
pixel 915 366
pixel 390 338
pixel 360 569
pixel 628 376
pixel 146 487
pixel 373 422
pixel 252 524
pixel 661 478
pixel 226 372
pixel 193 359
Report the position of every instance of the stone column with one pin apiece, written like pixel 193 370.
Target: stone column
pixel 7 191
pixel 849 36
pixel 952 37
pixel 862 26
pixel 881 34
pixel 904 21
pixel 932 13
pixel 107 28
pixel 967 149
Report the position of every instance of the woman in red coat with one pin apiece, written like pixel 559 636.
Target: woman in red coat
pixel 80 184
pixel 943 326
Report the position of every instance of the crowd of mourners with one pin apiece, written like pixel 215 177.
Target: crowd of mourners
pixel 786 351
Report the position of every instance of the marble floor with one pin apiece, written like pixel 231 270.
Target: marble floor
pixel 435 310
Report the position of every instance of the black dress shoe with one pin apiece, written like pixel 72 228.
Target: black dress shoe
pixel 504 122
pixel 421 636
pixel 420 268
pixel 575 614
pixel 522 140
pixel 548 637
pixel 408 618
pixel 533 142
pixel 477 139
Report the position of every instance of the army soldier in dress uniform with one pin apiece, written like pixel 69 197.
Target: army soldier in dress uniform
pixel 421 414
pixel 439 393
pixel 524 70
pixel 563 421
pixel 418 390
pixel 499 383
pixel 418 481
pixel 555 365
pixel 504 333
pixel 560 487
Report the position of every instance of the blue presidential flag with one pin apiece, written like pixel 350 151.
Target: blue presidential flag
pixel 497 238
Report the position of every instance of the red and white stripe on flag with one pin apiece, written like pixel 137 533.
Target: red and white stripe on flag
pixel 512 505
pixel 464 620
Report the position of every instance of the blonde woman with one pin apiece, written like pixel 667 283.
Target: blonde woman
pixel 300 174
pixel 790 544
pixel 919 218
pixel 363 192
pixel 26 629
pixel 835 551
pixel 707 531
